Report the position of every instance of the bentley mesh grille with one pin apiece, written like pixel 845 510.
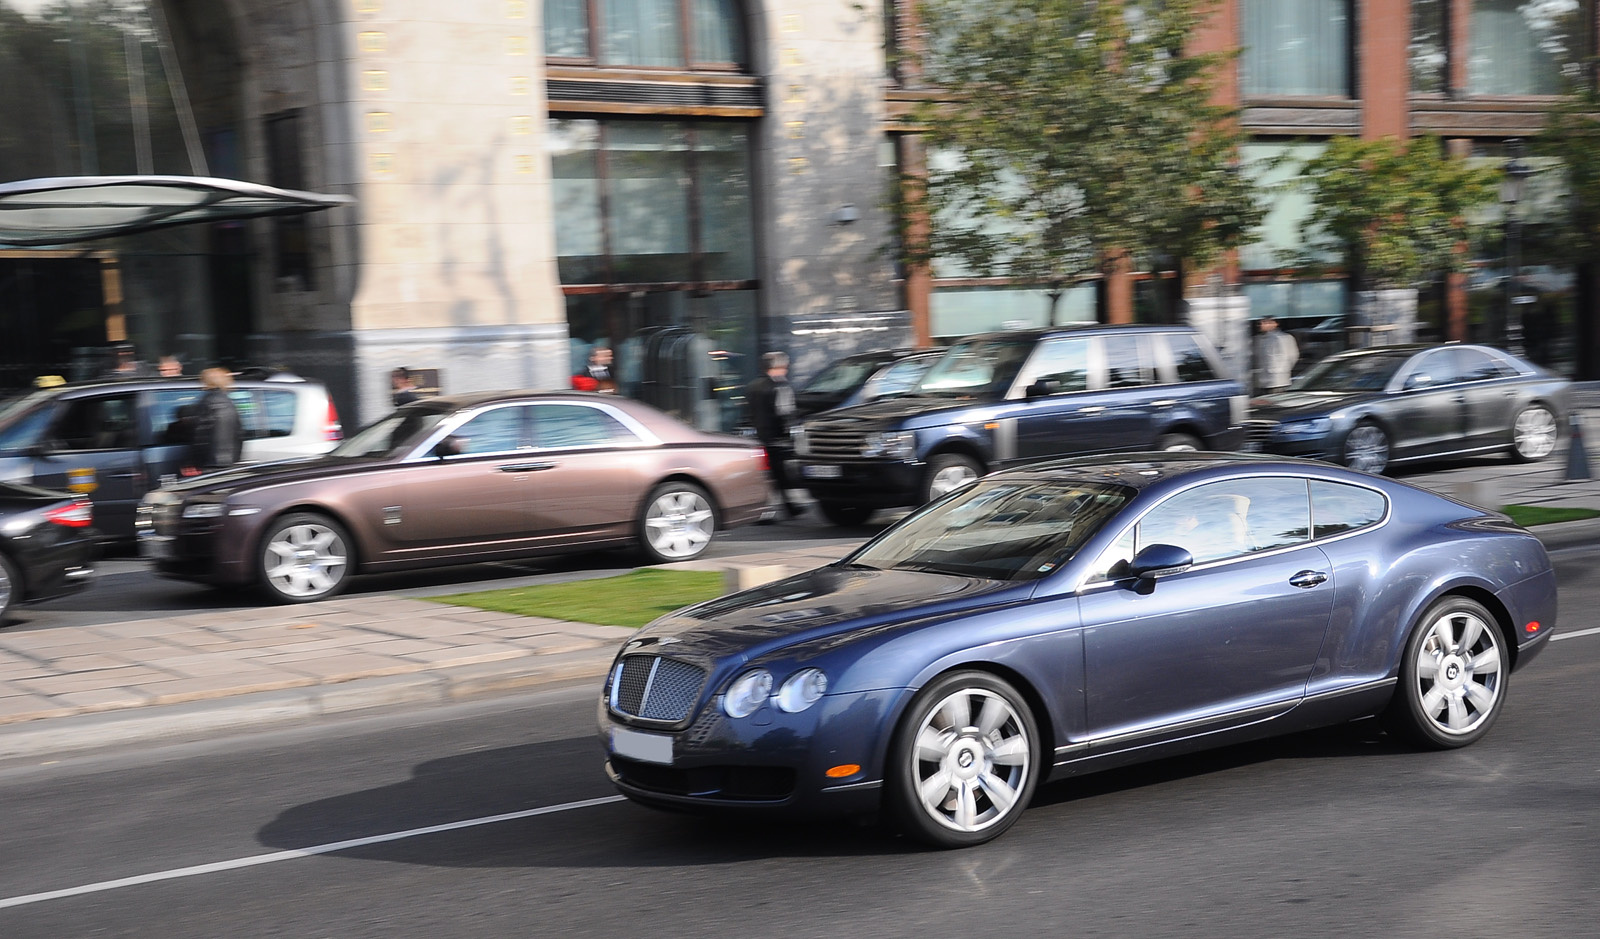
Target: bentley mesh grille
pixel 656 688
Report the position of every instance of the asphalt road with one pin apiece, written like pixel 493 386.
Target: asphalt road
pixel 1334 833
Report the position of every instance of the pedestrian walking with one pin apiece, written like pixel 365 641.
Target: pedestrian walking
pixel 403 389
pixel 1275 355
pixel 216 435
pixel 596 374
pixel 770 400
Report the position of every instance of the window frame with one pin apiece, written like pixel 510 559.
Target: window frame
pixel 594 21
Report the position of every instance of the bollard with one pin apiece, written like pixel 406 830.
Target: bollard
pixel 1577 456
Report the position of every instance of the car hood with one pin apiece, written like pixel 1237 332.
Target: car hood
pixel 253 475
pixel 889 411
pixel 826 602
pixel 1300 405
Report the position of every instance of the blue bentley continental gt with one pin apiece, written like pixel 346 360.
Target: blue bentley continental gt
pixel 1075 616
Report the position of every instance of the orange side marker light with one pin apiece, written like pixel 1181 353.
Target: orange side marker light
pixel 1532 627
pixel 842 770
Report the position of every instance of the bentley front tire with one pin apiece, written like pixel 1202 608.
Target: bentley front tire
pixel 964 761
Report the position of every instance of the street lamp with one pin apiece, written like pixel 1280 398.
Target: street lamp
pixel 1511 192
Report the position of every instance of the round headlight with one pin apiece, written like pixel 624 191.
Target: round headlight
pixel 748 692
pixel 802 689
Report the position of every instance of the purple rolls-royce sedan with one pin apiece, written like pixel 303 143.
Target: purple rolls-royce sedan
pixel 1075 616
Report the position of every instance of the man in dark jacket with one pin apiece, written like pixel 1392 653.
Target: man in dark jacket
pixel 770 399
pixel 217 435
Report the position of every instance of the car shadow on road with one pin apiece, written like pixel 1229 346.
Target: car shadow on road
pixel 488 783
pixel 1363 738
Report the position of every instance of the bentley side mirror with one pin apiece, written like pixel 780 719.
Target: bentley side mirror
pixel 1160 560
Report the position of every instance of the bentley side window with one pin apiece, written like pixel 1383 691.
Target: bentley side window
pixel 1225 520
pixel 1337 508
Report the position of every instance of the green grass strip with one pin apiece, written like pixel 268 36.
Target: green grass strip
pixel 632 599
pixel 1529 515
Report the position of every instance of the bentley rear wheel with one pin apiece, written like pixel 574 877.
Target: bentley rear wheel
pixel 1453 677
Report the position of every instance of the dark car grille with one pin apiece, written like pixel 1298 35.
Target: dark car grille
pixel 656 688
pixel 835 441
pixel 1260 432
pixel 165 518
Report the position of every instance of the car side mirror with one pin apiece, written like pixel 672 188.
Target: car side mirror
pixel 1044 388
pixel 449 446
pixel 1160 560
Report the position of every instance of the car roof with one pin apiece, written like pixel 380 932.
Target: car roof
pixel 91 386
pixel 1068 329
pixel 469 399
pixel 1142 469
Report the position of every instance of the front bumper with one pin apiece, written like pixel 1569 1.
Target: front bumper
pixel 770 762
pixel 878 484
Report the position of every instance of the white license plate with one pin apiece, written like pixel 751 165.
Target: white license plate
pixel 646 748
pixel 822 471
pixel 1251 446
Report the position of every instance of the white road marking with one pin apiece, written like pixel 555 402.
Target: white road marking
pixel 1582 632
pixel 238 863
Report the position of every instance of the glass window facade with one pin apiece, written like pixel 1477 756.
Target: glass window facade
pixel 1523 47
pixel 1295 47
pixel 1427 52
pixel 646 33
pixel 655 243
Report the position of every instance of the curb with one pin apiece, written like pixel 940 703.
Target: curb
pixel 1568 534
pixel 266 710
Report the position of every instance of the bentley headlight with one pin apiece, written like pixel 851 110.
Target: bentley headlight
pixel 894 444
pixel 802 689
pixel 748 692
pixel 205 510
pixel 1316 427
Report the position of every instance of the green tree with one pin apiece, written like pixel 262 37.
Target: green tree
pixel 1572 135
pixel 1397 214
pixel 1072 132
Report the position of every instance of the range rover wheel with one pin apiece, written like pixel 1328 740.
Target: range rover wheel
pixel 1534 434
pixel 948 472
pixel 678 522
pixel 1177 442
pixel 1366 448
pixel 847 516
pixel 963 763
pixel 304 556
pixel 1453 676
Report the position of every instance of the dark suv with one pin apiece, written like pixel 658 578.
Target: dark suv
pixel 1002 399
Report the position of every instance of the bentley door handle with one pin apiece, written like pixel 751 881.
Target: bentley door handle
pixel 1092 409
pixel 1308 579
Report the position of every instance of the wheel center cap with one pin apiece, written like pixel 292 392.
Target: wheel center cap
pixel 1453 671
pixel 966 761
pixel 305 556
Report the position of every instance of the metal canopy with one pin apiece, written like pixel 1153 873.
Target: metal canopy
pixel 68 209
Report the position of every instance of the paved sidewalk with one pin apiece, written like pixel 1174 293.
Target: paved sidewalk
pixel 168 678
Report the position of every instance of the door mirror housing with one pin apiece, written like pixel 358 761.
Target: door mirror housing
pixel 449 446
pixel 1160 560
pixel 1044 388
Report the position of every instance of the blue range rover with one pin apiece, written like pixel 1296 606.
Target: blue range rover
pixel 1003 399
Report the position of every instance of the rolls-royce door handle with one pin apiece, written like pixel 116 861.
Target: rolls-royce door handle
pixel 1308 579
pixel 527 467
